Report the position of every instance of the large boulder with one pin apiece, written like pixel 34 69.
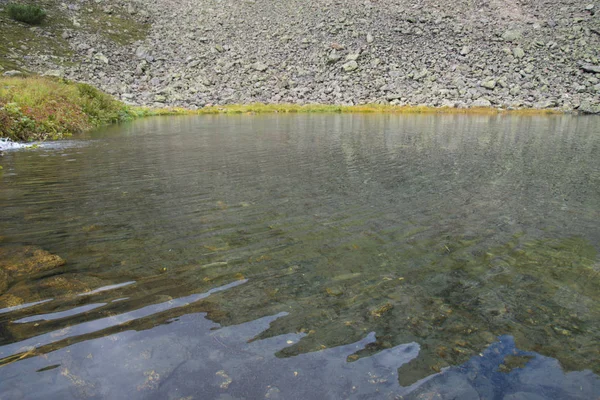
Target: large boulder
pixel 589 107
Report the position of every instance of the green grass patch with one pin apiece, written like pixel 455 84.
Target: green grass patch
pixel 37 108
pixel 27 13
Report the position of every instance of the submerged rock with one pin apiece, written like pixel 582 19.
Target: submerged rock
pixel 3 281
pixel 27 260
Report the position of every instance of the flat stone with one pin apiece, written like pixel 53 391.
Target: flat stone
pixel 545 104
pixel 55 72
pixel 19 261
pixel 481 102
pixel 489 84
pixel 591 68
pixel 259 66
pixel 13 73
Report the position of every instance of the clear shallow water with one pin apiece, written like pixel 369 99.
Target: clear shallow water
pixel 323 256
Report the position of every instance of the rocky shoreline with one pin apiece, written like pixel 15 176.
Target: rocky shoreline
pixel 503 54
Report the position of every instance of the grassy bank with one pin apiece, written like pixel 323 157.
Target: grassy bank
pixel 39 108
pixel 36 108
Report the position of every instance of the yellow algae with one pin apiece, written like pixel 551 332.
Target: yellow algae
pixel 261 108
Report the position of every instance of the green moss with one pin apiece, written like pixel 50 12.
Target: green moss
pixel 27 13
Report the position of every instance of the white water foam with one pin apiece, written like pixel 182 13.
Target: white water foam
pixel 7 144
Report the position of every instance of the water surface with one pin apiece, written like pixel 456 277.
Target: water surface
pixel 307 256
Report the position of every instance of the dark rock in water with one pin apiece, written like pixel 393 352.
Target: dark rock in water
pixel 27 260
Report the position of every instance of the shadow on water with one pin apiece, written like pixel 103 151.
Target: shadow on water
pixel 325 256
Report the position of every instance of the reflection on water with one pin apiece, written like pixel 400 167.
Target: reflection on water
pixel 326 256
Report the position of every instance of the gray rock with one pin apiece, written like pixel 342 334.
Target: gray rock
pixel 58 73
pixel 589 106
pixel 13 73
pixel 591 68
pixel 518 52
pixel 369 38
pixel 350 66
pixel 352 57
pixel 481 102
pixel 512 35
pixel 101 57
pixel 489 84
pixel 465 50
pixel 142 52
pixel 259 66
pixel 448 103
pixel 545 104
pixel 421 74
pixel 333 57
